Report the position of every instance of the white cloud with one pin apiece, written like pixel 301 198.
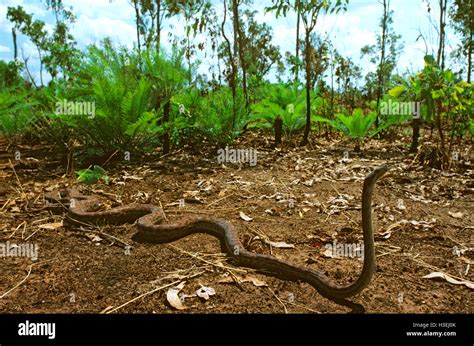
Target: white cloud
pixel 115 9
pixel 4 49
pixel 90 30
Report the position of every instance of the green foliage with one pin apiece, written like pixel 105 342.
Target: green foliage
pixel 355 126
pixel 209 115
pixel 124 117
pixel 56 49
pixel 92 176
pixel 442 94
pixel 279 100
pixel 9 75
pixel 15 116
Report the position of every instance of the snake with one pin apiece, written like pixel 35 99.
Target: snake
pixel 153 228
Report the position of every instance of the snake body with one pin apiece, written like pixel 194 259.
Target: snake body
pixel 153 228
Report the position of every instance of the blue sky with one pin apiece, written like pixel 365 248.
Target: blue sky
pixel 348 31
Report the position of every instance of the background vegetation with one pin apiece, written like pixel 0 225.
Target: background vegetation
pixel 147 98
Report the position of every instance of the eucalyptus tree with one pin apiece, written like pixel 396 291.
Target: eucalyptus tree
pixel 462 20
pixel 384 53
pixel 309 11
pixel 56 51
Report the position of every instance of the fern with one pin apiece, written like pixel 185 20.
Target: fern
pixel 15 117
pixel 279 100
pixel 355 126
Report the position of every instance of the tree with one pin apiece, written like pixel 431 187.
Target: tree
pixel 239 46
pixel 34 30
pixel 442 32
pixel 56 52
pixel 462 19
pixel 309 11
pixel 232 74
pixel 196 18
pixel 387 46
pixel 260 54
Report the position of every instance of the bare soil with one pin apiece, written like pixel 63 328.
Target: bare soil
pixel 305 197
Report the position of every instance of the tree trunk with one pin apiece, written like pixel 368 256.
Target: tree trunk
pixel 278 125
pixel 137 22
pixel 469 59
pixel 232 82
pixel 240 48
pixel 297 53
pixel 416 135
pixel 15 50
pixel 382 59
pixel 442 33
pixel 158 25
pixel 308 88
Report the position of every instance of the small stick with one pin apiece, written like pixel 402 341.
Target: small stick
pixel 303 307
pixel 218 200
pixel 17 179
pixel 141 296
pixel 163 210
pixel 25 278
pixel 16 229
pixel 219 265
pixel 106 161
pixel 32 234
pixel 6 203
pixel 281 302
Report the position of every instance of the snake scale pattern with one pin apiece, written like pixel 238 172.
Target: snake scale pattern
pixel 153 228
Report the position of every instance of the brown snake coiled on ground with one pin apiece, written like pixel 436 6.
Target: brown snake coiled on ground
pixel 152 228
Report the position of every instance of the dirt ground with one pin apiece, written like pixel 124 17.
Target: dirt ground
pixel 302 197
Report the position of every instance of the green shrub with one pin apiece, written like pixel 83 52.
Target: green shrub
pixel 355 126
pixel 283 101
pixel 15 112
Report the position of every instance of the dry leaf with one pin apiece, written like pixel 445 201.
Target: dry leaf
pixel 401 205
pixel 173 298
pixel 131 177
pixel 245 217
pixel 457 215
pixel 96 238
pixel 330 253
pixel 205 292
pixel 54 225
pixel 449 279
pixel 280 244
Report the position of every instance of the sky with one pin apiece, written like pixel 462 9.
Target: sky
pixel 348 31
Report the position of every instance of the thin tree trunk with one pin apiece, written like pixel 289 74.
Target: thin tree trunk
pixel 308 89
pixel 415 135
pixel 232 82
pixel 386 5
pixel 158 25
pixel 15 49
pixel 137 21
pixel 297 53
pixel 41 66
pixel 278 126
pixel 442 24
pixel 239 39
pixel 469 59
